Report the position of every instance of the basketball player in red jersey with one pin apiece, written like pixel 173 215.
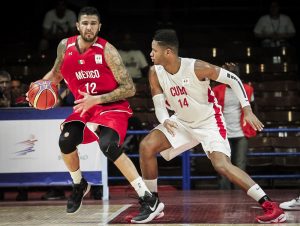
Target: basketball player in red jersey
pixel 94 72
pixel 184 83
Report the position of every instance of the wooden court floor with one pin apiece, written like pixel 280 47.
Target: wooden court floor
pixel 184 208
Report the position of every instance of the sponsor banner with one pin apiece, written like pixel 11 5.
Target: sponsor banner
pixel 32 146
pixel 30 154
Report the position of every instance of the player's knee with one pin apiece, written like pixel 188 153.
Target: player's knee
pixel 70 137
pixel 146 148
pixel 110 149
pixel 221 167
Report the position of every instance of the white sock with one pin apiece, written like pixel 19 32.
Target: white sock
pixel 151 184
pixel 140 187
pixel 256 192
pixel 76 176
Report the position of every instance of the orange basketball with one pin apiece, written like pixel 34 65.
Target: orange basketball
pixel 43 94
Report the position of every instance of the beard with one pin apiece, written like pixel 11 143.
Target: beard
pixel 89 37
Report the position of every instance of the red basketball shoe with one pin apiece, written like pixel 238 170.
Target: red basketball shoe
pixel 273 214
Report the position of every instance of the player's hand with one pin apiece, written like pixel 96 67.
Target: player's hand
pixel 85 103
pixel 27 99
pixel 170 126
pixel 250 118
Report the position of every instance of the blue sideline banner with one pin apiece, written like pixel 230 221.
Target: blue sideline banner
pixel 30 154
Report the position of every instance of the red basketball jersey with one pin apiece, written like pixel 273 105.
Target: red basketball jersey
pixel 88 71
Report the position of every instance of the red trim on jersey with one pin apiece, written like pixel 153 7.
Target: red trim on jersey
pixel 218 113
pixel 219 92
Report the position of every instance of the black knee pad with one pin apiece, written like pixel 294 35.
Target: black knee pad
pixel 109 143
pixel 111 150
pixel 71 136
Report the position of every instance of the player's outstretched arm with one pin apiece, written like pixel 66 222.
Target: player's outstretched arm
pixel 205 70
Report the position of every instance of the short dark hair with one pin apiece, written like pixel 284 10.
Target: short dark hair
pixel 5 74
pixel 88 10
pixel 167 38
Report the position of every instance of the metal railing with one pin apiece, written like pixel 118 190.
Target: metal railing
pixel 186 176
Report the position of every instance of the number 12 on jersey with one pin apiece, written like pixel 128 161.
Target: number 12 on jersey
pixel 183 102
pixel 91 88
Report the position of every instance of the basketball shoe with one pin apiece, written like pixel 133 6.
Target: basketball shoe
pixel 75 200
pixel 129 217
pixel 272 213
pixel 291 205
pixel 150 209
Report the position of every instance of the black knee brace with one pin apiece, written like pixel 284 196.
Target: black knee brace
pixel 71 136
pixel 109 143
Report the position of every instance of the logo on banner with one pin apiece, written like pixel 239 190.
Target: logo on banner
pixel 98 58
pixel 27 146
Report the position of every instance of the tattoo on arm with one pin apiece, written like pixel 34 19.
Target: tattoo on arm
pixel 55 73
pixel 126 86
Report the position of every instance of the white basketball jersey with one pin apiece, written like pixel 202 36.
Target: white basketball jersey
pixel 192 100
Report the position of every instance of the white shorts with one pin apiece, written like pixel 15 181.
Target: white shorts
pixel 185 138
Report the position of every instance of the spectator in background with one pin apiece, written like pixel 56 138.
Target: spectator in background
pixel 18 91
pixel 238 131
pixel 274 29
pixel 58 23
pixel 5 93
pixel 133 58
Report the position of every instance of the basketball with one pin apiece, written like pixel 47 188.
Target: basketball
pixel 43 94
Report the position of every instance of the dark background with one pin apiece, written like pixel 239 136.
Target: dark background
pixel 22 20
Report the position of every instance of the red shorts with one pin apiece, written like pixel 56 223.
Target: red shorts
pixel 117 119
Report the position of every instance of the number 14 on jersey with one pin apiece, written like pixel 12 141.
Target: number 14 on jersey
pixel 183 102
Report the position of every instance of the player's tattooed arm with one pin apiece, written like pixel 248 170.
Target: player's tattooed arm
pixel 126 86
pixel 55 74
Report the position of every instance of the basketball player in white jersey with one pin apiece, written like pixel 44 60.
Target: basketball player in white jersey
pixel 184 84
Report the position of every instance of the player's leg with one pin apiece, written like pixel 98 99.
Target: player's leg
pixel 70 137
pixel 239 157
pixel 160 141
pixel 222 164
pixel 109 145
pixel 149 147
pixel 152 144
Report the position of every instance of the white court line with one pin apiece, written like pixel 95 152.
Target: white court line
pixel 115 214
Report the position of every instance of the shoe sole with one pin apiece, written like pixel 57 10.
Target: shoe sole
pixel 85 193
pixel 290 207
pixel 280 219
pixel 156 213
pixel 129 217
pixel 160 215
